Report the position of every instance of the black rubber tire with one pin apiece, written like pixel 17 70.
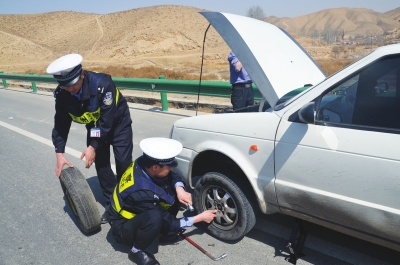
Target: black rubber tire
pixel 235 216
pixel 80 199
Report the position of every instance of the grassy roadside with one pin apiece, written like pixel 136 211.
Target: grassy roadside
pixel 328 67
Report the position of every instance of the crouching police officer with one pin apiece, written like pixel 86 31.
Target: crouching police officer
pixel 147 198
pixel 92 99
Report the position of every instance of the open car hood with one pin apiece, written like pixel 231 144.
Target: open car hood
pixel 274 60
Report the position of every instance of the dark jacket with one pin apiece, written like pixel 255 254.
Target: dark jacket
pixel 146 196
pixel 99 99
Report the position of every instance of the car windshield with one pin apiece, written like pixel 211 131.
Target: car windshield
pixel 289 97
pixel 282 104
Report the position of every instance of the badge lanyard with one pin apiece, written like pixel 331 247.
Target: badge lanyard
pixel 95 132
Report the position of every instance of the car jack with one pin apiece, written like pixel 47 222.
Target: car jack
pixel 296 241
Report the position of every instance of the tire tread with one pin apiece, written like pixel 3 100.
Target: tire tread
pixel 243 226
pixel 83 200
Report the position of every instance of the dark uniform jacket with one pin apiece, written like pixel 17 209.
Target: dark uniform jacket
pixel 137 194
pixel 100 104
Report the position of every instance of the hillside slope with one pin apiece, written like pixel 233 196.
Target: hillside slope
pixel 168 36
pixel 394 14
pixel 353 21
pixel 158 35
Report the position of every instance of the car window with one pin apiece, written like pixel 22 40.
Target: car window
pixel 368 98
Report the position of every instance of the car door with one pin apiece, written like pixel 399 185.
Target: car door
pixel 344 170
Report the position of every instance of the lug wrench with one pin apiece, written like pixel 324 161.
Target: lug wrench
pixel 201 249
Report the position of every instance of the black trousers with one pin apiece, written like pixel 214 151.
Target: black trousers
pixel 144 229
pixel 121 141
pixel 242 95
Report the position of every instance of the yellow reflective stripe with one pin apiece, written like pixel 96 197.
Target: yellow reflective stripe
pixel 89 117
pixel 164 205
pixel 126 214
pixel 116 96
pixel 125 182
pixel 116 205
pixel 86 117
pixel 127 179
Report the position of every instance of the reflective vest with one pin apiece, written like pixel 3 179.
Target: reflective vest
pixel 129 184
pixel 93 113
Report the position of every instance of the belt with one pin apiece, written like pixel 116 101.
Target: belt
pixel 242 85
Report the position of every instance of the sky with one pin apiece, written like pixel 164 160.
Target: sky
pixel 279 8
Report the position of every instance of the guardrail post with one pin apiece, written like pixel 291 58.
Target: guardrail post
pixel 4 81
pixel 164 100
pixel 33 84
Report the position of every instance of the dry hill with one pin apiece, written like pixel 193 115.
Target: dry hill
pixel 169 37
pixel 394 14
pixel 346 22
pixel 165 36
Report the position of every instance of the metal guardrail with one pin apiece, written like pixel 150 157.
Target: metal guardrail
pixel 162 85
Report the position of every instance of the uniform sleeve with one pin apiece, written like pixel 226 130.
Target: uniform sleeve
pixel 173 222
pixel 176 180
pixel 108 108
pixel 232 59
pixel 234 62
pixel 62 122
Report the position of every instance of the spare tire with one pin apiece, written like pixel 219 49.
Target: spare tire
pixel 80 199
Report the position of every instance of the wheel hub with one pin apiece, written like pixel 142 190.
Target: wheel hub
pixel 218 198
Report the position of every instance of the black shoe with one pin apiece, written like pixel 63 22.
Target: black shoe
pixel 168 238
pixel 143 258
pixel 104 217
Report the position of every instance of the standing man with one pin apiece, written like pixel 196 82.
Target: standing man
pixel 92 99
pixel 242 91
pixel 147 198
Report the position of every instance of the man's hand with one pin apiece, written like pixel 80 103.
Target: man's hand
pixel 238 66
pixel 89 153
pixel 61 161
pixel 206 216
pixel 183 196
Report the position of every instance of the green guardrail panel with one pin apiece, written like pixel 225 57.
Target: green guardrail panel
pixel 29 78
pixel 191 87
pixel 34 89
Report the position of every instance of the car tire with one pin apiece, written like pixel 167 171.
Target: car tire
pixel 80 199
pixel 235 216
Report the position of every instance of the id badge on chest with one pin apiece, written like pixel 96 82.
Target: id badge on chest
pixel 95 132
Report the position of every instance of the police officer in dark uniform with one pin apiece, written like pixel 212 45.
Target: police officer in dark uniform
pixel 146 200
pixel 242 94
pixel 92 99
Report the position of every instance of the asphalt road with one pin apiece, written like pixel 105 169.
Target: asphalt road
pixel 38 227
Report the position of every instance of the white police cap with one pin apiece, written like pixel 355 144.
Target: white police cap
pixel 161 150
pixel 66 69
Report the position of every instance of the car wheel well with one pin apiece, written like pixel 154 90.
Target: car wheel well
pixel 212 161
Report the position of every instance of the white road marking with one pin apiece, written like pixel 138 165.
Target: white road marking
pixel 45 141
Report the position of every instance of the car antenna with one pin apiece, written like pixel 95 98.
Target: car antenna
pixel 201 69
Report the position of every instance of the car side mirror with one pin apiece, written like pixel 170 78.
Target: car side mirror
pixel 327 115
pixel 306 113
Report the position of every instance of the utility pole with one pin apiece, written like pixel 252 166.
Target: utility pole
pixel 370 37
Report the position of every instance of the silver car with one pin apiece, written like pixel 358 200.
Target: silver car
pixel 329 155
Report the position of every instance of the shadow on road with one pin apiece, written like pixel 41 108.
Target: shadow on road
pixel 96 189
